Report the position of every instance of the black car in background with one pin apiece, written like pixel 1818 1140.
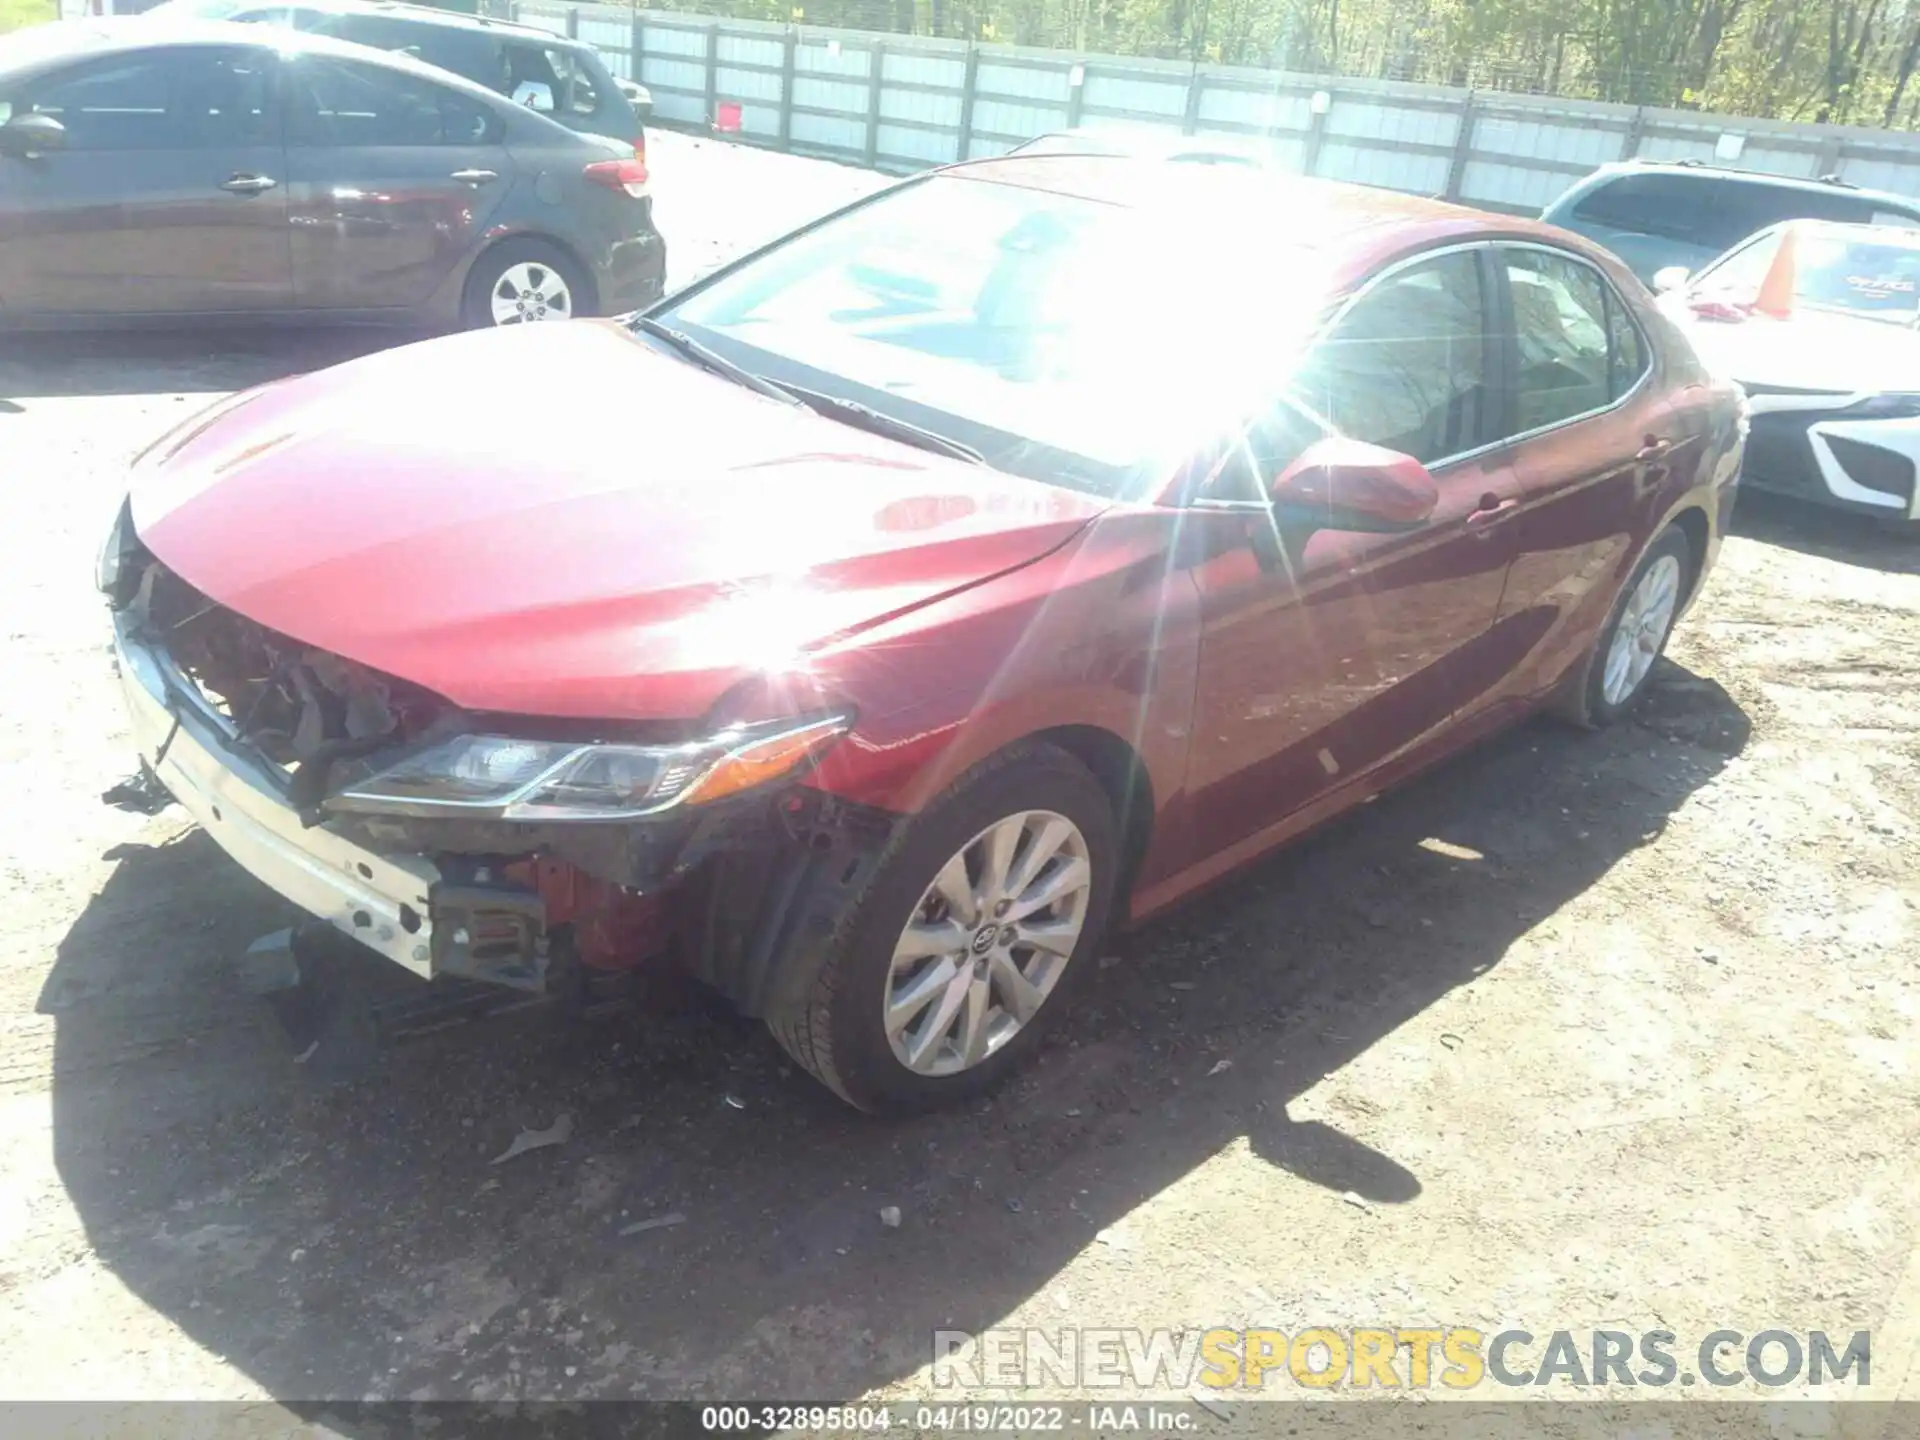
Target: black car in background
pixel 563 78
pixel 212 169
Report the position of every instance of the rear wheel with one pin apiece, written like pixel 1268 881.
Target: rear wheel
pixel 975 929
pixel 525 282
pixel 1615 674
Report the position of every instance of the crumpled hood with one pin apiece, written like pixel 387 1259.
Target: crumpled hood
pixel 563 521
pixel 1813 350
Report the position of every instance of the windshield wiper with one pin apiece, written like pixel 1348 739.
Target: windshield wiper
pixel 852 412
pixel 707 359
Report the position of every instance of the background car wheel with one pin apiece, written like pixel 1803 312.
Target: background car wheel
pixel 525 282
pixel 975 930
pixel 1615 674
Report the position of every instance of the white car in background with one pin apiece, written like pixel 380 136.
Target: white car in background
pixel 1820 323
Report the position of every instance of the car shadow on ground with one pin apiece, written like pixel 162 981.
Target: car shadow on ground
pixel 35 366
pixel 1829 534
pixel 354 1240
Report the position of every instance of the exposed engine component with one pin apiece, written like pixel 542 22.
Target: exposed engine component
pixel 292 703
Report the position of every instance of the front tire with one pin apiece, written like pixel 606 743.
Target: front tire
pixel 1614 676
pixel 978 925
pixel 524 282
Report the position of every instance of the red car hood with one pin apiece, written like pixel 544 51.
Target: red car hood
pixel 563 521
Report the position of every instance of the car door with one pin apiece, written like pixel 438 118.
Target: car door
pixel 1339 651
pixel 1593 441
pixel 392 180
pixel 165 197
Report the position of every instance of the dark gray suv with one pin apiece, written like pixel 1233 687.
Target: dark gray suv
pixel 212 169
pixel 565 79
pixel 1653 216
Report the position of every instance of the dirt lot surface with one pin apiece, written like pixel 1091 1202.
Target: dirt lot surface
pixel 1583 1031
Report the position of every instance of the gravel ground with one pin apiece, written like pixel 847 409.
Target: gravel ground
pixel 1632 1048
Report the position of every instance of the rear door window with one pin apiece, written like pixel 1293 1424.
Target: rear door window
pixel 340 102
pixel 1577 349
pixel 1626 349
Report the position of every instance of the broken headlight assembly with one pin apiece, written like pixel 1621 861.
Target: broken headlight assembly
pixel 498 777
pixel 110 565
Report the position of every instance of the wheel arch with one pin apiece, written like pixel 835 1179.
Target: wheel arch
pixel 1691 521
pixel 1123 775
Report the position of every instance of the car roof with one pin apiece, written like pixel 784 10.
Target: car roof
pixel 1137 141
pixel 1701 169
pixel 1361 224
pixel 83 39
pixel 444 19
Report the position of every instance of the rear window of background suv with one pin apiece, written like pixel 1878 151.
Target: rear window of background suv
pixel 1713 211
pixel 576 89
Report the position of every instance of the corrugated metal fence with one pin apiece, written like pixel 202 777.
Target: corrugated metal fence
pixel 905 102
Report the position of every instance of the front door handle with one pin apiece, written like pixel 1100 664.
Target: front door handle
pixel 474 177
pixel 1491 509
pixel 249 184
pixel 1654 447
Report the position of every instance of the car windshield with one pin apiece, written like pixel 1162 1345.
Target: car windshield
pixel 1064 338
pixel 1845 272
pixel 1859 277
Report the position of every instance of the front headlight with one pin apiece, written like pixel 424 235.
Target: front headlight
pixel 495 777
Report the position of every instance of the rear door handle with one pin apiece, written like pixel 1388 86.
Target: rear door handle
pixel 1655 447
pixel 249 184
pixel 475 177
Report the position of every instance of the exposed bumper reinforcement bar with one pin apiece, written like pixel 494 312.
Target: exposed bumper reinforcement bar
pixel 380 900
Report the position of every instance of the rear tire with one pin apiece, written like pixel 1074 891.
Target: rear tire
pixel 870 1026
pixel 1613 677
pixel 525 282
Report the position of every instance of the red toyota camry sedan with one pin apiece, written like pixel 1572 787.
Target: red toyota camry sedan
pixel 871 626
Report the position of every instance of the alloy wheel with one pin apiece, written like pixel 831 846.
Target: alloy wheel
pixel 1641 630
pixel 988 942
pixel 530 292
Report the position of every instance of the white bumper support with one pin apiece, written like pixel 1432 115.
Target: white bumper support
pixel 378 900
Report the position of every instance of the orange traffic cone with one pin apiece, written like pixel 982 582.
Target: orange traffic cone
pixel 1776 291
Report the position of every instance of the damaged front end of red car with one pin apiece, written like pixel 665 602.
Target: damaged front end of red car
pixel 497 859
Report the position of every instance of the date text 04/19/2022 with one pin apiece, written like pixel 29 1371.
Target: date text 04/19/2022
pixel 963 1419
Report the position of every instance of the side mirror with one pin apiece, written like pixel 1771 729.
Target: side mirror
pixel 32 134
pixel 1341 484
pixel 1673 278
